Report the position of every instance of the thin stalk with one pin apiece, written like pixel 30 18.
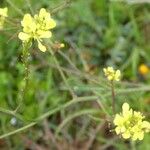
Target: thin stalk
pixel 61 72
pixel 113 96
pixel 25 59
pixel 30 6
pixel 68 59
pixel 49 113
pixel 72 116
pixel 18 130
pixel 61 6
pixel 133 146
pixel 14 6
pixel 11 113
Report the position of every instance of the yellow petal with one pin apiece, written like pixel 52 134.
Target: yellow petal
pixel 117 129
pixel 27 20
pixel 3 12
pixel 125 107
pixel 111 69
pixel 43 13
pixel 126 135
pixel 41 47
pixel 23 36
pixel 134 137
pixel 117 75
pixel 123 129
pixel 44 34
pixel 110 78
pixel 50 24
pixel 146 126
pixel 118 120
pixel 140 135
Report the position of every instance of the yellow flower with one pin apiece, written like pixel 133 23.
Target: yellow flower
pixel 112 74
pixel 143 69
pixel 37 28
pixel 3 15
pixel 130 124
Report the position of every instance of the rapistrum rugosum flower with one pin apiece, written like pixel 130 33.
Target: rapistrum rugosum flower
pixel 37 28
pixel 3 15
pixel 131 124
pixel 111 74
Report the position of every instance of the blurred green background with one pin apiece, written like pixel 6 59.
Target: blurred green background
pixel 96 33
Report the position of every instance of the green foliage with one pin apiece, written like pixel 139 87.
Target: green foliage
pixel 96 33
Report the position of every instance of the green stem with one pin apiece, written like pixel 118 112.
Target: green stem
pixel 49 113
pixel 25 60
pixel 76 114
pixel 133 145
pixel 15 8
pixel 11 113
pixel 61 72
pixel 113 96
pixel 18 130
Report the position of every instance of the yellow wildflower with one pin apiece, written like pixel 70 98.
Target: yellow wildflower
pixel 3 15
pixel 130 124
pixel 143 69
pixel 112 74
pixel 37 28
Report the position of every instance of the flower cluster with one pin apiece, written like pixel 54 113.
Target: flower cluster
pixel 112 74
pixel 130 124
pixel 3 15
pixel 37 28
